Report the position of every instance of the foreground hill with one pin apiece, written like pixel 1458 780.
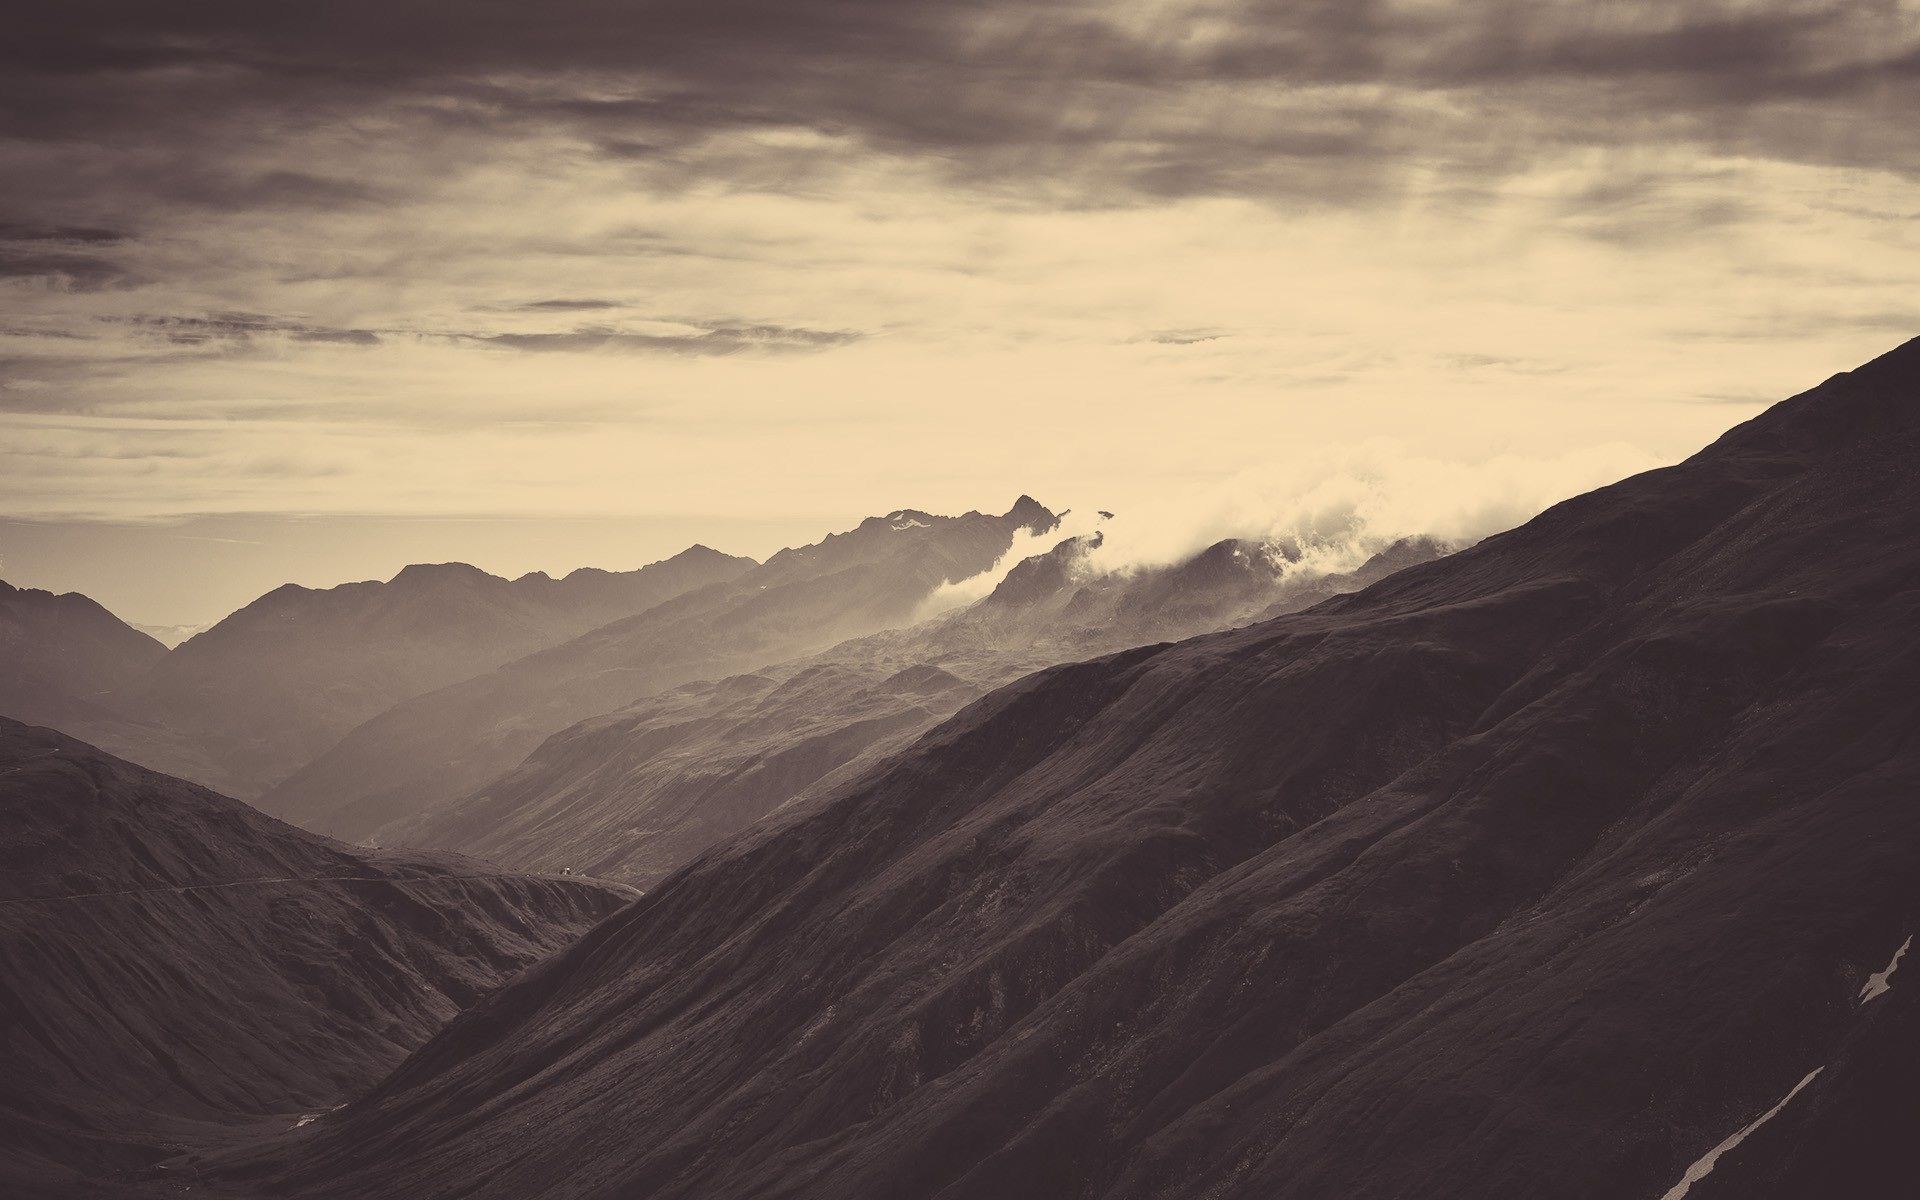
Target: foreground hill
pixel 636 794
pixel 281 680
pixel 175 966
pixel 450 741
pixel 1539 870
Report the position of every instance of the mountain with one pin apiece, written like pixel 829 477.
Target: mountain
pixel 281 680
pixel 176 968
pixel 637 793
pixel 450 741
pixel 1538 870
pixel 60 655
pixel 65 662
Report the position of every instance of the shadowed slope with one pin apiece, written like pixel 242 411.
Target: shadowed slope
pixel 1535 871
pixel 174 965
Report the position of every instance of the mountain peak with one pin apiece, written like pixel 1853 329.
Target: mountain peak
pixel 1032 515
pixel 423 572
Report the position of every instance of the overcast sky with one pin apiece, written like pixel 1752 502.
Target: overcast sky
pixel 598 277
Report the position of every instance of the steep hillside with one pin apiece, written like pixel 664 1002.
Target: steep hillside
pixel 281 680
pixel 66 662
pixel 1539 870
pixel 451 741
pixel 636 794
pixel 176 968
pixel 60 655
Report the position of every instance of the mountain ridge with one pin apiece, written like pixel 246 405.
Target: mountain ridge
pixel 281 679
pixel 634 793
pixel 801 599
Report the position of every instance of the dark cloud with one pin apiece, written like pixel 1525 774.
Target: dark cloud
pixel 239 329
pixel 71 272
pixel 81 234
pixel 1322 100
pixel 64 257
pixel 717 341
pixel 564 305
pixel 243 327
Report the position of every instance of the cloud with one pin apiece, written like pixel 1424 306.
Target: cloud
pixel 1026 544
pixel 1320 100
pixel 1332 510
pixel 244 327
pixel 563 305
pixel 1317 516
pixel 716 340
pixel 836 249
pixel 61 270
pixel 61 233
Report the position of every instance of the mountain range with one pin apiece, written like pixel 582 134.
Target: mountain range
pixel 1577 862
pixel 450 741
pixel 635 794
pixel 1543 869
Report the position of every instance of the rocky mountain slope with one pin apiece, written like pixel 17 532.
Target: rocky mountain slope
pixel 636 794
pixel 177 969
pixel 1539 870
pixel 280 681
pixel 448 742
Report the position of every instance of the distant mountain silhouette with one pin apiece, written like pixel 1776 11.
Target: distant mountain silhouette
pixel 175 967
pixel 447 742
pixel 61 655
pixel 635 794
pixel 1539 870
pixel 281 680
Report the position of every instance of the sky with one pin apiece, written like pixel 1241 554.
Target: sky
pixel 305 292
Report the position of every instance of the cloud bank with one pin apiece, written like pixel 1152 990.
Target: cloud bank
pixel 819 258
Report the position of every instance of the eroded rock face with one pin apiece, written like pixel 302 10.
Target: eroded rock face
pixel 175 967
pixel 1534 871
